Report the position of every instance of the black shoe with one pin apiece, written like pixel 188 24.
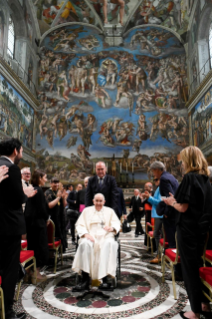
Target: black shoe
pixel 105 285
pixel 10 314
pixel 141 233
pixel 84 284
pixel 177 277
pixel 207 315
pixel 73 242
pixel 136 235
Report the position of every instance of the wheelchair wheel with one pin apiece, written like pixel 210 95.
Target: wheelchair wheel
pixel 115 282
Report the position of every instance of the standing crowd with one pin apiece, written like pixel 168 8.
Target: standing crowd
pixel 94 211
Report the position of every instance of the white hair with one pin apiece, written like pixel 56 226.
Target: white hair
pixel 158 165
pixel 101 163
pixel 98 194
pixel 25 169
pixel 86 178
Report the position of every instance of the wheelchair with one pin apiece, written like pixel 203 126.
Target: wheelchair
pixel 99 292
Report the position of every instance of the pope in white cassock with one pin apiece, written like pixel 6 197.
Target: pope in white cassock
pixel 97 252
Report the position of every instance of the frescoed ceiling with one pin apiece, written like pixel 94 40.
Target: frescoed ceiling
pixel 123 13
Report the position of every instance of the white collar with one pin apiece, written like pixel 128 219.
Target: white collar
pixel 8 158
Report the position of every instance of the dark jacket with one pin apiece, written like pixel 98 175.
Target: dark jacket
pixel 168 184
pixel 12 221
pixel 71 200
pixel 121 203
pixel 80 198
pixel 135 204
pixel 108 189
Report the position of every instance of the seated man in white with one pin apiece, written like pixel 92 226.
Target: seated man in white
pixel 96 256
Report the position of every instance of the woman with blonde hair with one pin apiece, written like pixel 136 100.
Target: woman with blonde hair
pixel 193 202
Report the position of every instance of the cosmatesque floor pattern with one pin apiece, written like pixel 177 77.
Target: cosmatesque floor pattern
pixel 140 294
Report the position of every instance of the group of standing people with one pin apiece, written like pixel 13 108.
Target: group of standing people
pixel 185 208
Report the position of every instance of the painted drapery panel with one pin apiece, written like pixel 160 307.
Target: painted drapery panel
pixel 124 105
pixel 16 115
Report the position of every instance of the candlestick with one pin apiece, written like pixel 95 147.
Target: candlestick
pixel 120 167
pixel 132 167
pixel 126 168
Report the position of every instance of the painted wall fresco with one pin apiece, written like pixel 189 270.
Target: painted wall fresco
pixel 16 115
pixel 124 105
pixel 202 120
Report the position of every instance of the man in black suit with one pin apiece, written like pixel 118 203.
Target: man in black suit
pixel 12 223
pixel 136 206
pixel 72 201
pixel 104 184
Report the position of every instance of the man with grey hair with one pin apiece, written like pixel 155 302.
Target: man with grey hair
pixel 96 256
pixel 26 175
pixel 25 178
pixel 168 184
pixel 104 184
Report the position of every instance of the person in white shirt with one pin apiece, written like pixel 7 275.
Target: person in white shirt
pixel 96 255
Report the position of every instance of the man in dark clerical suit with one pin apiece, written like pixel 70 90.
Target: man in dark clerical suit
pixel 12 223
pixel 137 207
pixel 104 184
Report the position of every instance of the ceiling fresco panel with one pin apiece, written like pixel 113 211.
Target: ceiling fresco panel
pixel 171 14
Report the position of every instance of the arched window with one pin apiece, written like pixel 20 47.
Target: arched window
pixel 210 43
pixel 11 39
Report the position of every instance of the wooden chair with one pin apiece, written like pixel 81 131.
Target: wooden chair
pixel 24 245
pixel 150 234
pixel 170 259
pixel 25 257
pixel 205 274
pixel 207 254
pixel 2 312
pixel 54 245
pixel 163 244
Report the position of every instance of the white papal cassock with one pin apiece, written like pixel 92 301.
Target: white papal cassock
pixel 99 259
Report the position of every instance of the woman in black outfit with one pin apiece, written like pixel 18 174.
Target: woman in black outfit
pixel 36 215
pixel 193 201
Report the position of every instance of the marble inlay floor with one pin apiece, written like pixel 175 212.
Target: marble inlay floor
pixel 140 294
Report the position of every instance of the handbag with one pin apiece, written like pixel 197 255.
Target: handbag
pixel 130 217
pixel 126 228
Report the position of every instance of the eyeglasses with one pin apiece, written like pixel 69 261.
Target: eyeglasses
pixel 26 173
pixel 155 179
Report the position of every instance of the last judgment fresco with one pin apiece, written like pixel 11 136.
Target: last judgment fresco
pixel 124 105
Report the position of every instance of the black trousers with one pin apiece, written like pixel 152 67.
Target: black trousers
pixel 147 220
pixel 139 228
pixel 170 230
pixel 72 224
pixel 191 248
pixel 10 247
